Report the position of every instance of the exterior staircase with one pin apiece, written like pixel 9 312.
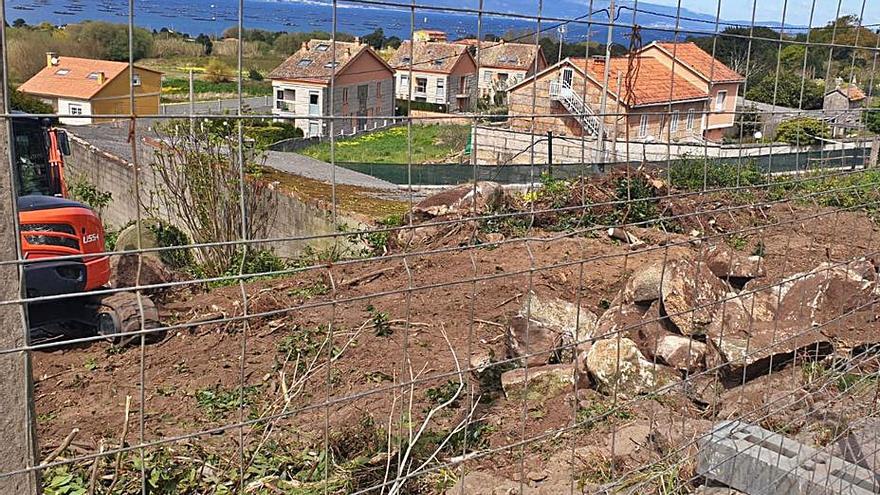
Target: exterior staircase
pixel 563 93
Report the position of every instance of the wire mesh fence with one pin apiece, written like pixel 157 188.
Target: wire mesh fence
pixel 611 247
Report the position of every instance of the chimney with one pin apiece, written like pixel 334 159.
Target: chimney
pixel 357 40
pixel 51 59
pixel 305 46
pixel 101 78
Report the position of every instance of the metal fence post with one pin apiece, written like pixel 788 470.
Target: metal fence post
pixel 17 435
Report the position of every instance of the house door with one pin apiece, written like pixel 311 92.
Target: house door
pixel 314 128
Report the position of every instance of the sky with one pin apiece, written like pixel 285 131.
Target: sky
pixel 797 11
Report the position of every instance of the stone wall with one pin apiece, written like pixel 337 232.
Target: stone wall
pixel 108 172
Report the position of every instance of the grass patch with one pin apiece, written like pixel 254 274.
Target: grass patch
pixel 599 413
pixel 177 89
pixel 353 199
pixel 430 143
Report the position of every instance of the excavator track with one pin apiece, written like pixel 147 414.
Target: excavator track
pixel 120 314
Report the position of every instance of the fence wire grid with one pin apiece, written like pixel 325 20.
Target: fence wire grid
pixel 612 247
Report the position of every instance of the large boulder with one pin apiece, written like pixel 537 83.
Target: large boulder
pixel 127 239
pixel 539 383
pixel 728 264
pixel 547 330
pixel 691 295
pixel 462 200
pixel 126 273
pixel 682 353
pixel 617 364
pixel 644 286
pixel 826 292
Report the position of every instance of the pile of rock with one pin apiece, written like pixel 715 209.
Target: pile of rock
pixel 713 315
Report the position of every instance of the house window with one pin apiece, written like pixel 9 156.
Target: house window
pixel 279 99
pixel 378 89
pixel 62 72
pixel 74 109
pixel 421 85
pixel 719 101
pixel 344 96
pixel 362 94
pixel 323 47
pixel 441 87
pixel 690 119
pixel 673 122
pixel 462 84
pixel 330 65
pixel 487 76
pixel 304 62
pixel 404 82
pixel 135 79
pixel 643 125
pixel 567 76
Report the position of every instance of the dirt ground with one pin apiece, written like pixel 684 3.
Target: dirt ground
pixel 387 319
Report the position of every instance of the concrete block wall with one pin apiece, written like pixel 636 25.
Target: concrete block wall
pixel 503 146
pixel 108 172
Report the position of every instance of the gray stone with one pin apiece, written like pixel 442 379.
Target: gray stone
pixel 682 353
pixel 756 461
pixel 644 286
pixel 691 295
pixel 127 240
pixel 555 327
pixel 617 364
pixel 726 263
pixel 544 382
pixel 461 199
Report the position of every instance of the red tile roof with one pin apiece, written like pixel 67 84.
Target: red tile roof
pixel 314 61
pixel 851 91
pixel 70 78
pixel 701 62
pixel 428 56
pixel 652 83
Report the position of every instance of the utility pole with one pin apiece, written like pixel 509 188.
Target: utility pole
pixel 561 31
pixel 17 435
pixel 600 139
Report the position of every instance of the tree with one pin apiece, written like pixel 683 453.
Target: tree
pixel 217 71
pixel 26 103
pixel 376 39
pixel 109 40
pixel 871 118
pixel 206 42
pixel 19 23
pixel 802 131
pixel 787 91
pixel 198 171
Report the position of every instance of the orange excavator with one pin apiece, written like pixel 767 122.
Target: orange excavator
pixel 53 226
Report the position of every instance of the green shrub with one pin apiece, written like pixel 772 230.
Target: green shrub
pixel 169 235
pixel 264 135
pixel 254 75
pixel 802 131
pixel 82 190
pixel 256 262
pixel 871 118
pixel 691 173
pixel 26 103
pixel 217 71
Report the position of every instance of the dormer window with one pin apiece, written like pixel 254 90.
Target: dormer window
pixel 330 65
pixel 323 47
pixel 304 62
pixel 405 60
pixel 62 72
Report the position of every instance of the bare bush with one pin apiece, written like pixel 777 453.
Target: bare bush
pixel 198 168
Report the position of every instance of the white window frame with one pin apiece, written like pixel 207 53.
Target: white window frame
pixel 74 109
pixel 673 121
pixel 691 117
pixel 643 125
pixel 720 99
pixel 404 82
pixel 487 76
pixel 440 89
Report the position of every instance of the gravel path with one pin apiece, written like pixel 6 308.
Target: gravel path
pixel 311 168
